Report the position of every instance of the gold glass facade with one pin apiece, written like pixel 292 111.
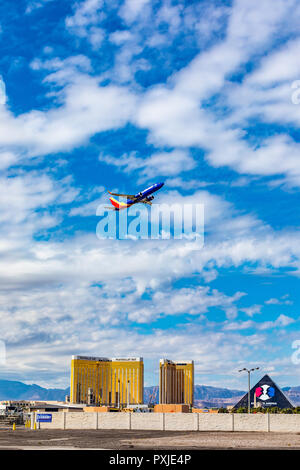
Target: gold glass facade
pixel 176 382
pixel 110 382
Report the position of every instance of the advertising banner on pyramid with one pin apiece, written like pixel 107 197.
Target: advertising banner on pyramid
pixel 265 394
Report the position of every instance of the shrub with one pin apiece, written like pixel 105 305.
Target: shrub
pixel 286 411
pixel 274 409
pixel 241 410
pixel 222 410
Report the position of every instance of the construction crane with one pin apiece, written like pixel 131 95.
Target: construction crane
pixel 152 396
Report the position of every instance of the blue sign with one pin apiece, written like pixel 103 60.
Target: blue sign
pixel 43 418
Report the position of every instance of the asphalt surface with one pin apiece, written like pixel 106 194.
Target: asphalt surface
pixel 142 440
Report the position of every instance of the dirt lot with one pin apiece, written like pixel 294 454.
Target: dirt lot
pixel 138 440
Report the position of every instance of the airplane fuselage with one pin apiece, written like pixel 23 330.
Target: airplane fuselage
pixel 146 193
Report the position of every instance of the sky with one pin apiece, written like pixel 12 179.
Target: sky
pixel 118 95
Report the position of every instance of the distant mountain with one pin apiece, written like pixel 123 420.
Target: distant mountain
pixel 205 392
pixel 291 389
pixel 152 392
pixel 12 390
pixel 204 395
pixel 293 394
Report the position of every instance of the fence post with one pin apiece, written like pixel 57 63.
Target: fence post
pixel 32 420
pixel 197 420
pixel 268 422
pixel 63 419
pixel 232 421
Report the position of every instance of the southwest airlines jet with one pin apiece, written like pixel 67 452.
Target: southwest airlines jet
pixel 144 197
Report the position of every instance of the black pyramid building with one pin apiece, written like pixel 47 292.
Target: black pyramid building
pixel 265 394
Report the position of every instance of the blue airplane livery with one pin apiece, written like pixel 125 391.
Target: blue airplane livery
pixel 144 197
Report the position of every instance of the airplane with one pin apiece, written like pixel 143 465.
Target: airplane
pixel 144 197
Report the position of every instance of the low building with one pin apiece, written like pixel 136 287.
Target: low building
pixel 51 407
pixel 18 406
pixel 11 406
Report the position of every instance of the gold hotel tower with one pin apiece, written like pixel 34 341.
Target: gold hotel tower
pixel 104 381
pixel 176 382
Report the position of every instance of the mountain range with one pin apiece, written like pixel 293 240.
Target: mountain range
pixel 13 390
pixel 204 395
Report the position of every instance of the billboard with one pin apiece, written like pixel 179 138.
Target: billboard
pixel 265 394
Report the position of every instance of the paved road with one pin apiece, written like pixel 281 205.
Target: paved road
pixel 135 440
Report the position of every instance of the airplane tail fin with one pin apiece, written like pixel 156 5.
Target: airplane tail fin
pixel 117 204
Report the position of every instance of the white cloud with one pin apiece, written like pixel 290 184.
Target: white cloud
pixel 2 92
pixel 131 9
pixel 281 65
pixel 119 37
pixel 7 159
pixel 282 301
pixel 86 13
pixel 160 163
pixel 281 322
pixel 88 209
pixel 26 211
pixel 182 301
pixel 86 20
pixel 178 182
pixel 253 24
pixel 34 5
pixel 22 195
pixel 174 114
pixel 85 108
pixel 250 311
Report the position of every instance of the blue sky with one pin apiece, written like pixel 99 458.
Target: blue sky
pixel 118 95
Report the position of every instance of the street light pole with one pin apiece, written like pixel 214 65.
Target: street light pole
pixel 249 372
pixel 128 392
pixel 249 398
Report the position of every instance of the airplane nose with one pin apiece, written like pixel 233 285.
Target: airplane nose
pixel 160 185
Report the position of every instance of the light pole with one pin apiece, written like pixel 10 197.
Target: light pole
pixel 249 372
pixel 128 392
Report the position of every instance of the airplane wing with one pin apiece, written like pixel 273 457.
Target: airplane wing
pixel 147 202
pixel 129 196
